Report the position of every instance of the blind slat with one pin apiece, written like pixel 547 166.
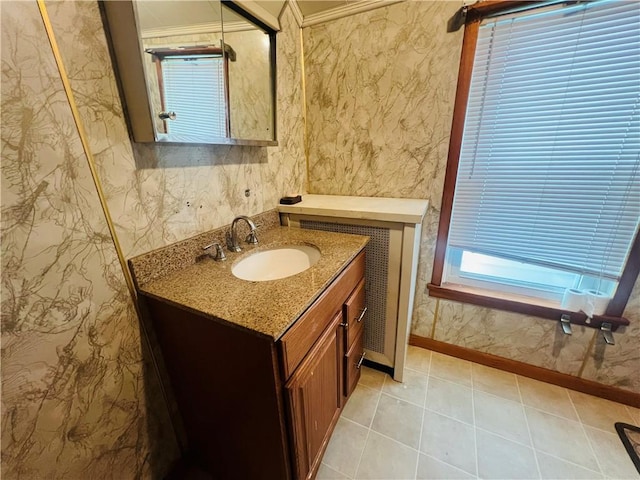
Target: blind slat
pixel 549 168
pixel 194 89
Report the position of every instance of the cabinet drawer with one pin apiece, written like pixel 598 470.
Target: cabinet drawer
pixel 352 363
pixel 299 339
pixel 355 314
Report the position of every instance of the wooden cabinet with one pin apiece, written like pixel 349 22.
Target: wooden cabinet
pixel 259 409
pixel 315 398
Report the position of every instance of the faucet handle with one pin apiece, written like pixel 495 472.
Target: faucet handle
pixel 219 252
pixel 252 238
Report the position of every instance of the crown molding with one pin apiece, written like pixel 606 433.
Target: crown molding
pixel 347 10
pixel 197 29
pixel 297 13
pixel 259 12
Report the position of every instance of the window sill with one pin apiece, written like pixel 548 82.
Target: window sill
pixel 520 304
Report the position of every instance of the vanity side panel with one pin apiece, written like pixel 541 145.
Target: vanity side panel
pixel 228 390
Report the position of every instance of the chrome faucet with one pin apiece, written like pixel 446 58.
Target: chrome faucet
pixel 232 234
pixel 215 251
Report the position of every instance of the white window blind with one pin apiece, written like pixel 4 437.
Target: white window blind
pixel 194 90
pixel 549 165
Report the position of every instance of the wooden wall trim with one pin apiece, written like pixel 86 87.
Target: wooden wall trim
pixel 627 280
pixel 531 371
pixel 467 57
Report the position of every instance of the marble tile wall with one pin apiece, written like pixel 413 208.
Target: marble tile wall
pixel 159 194
pixel 79 398
pixel 380 92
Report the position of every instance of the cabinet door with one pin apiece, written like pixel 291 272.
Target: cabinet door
pixel 354 313
pixel 352 363
pixel 314 394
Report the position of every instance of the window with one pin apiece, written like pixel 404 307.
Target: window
pixel 193 91
pixel 542 192
pixel 193 88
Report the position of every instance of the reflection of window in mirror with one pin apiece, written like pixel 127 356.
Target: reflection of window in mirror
pixel 193 98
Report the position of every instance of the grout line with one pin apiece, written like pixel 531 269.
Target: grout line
pixel 584 431
pixel 375 412
pixel 526 421
pixel 424 410
pixel 475 427
pixel 566 461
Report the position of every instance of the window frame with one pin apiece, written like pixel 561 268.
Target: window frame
pixel 520 304
pixel 159 54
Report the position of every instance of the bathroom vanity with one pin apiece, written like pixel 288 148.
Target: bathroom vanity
pixel 260 370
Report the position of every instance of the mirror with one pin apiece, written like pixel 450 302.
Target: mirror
pixel 203 71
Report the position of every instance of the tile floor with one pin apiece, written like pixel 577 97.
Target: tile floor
pixel 456 419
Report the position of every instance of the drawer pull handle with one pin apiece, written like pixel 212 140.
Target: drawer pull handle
pixel 364 310
pixel 359 364
pixel 345 324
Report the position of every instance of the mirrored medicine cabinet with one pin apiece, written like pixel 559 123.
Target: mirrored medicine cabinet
pixel 194 72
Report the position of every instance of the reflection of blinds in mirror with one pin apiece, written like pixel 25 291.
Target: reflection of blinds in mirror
pixel 194 89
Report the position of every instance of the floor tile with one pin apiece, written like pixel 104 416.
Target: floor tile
pixel 500 416
pixel 418 359
pixel 499 458
pixel 372 378
pixel 635 414
pixel 599 412
pixel 328 473
pixel 494 381
pixel 547 397
pixel 559 436
pixel 413 389
pixel 450 399
pixel 611 454
pixel 399 420
pixel 553 468
pixel 345 447
pixel 386 459
pixel 430 468
pixel 361 406
pixel 450 368
pixel 449 440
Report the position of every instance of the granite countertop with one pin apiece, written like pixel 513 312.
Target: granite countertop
pixel 266 308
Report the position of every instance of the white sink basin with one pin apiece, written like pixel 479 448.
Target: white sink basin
pixel 275 263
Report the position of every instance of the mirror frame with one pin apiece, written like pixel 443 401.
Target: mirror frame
pixel 120 22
